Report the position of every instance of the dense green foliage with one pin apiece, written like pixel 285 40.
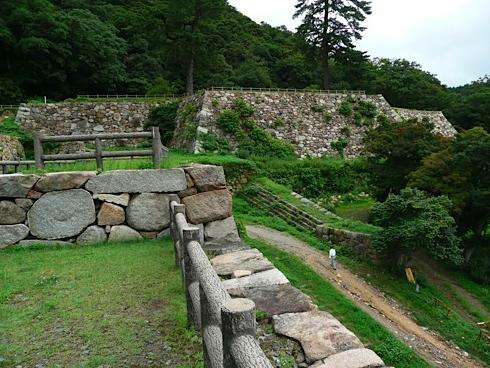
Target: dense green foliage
pixel 395 149
pixel 164 117
pixel 412 221
pixel 60 49
pixel 9 127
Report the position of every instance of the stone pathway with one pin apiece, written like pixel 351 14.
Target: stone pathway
pixel 433 348
pixel 326 343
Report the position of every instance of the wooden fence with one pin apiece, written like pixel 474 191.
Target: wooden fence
pixel 227 326
pixel 286 90
pixel 156 152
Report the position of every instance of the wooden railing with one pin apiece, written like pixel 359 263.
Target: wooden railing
pixel 156 152
pixel 227 326
pixel 286 90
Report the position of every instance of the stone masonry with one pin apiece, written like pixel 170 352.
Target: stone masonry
pixel 299 118
pixel 85 208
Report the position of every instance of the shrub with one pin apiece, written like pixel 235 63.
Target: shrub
pixel 327 118
pixel 412 221
pixel 11 128
pixel 367 109
pixel 358 119
pixel 345 131
pixel 318 108
pixel 279 122
pixel 229 121
pixel 340 145
pixel 243 109
pixel 259 143
pixel 164 117
pixel 345 109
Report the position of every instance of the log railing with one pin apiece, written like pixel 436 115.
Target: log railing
pixel 227 326
pixel 156 152
pixel 287 90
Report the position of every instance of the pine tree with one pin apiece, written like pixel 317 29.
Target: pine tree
pixel 331 26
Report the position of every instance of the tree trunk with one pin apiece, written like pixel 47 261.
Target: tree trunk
pixel 190 77
pixel 325 48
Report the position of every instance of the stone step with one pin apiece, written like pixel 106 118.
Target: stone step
pixel 355 358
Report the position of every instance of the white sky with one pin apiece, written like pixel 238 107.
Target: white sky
pixel 449 38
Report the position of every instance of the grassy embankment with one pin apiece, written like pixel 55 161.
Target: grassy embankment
pixel 430 307
pixel 109 305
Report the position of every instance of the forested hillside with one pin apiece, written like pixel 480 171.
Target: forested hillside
pixel 62 48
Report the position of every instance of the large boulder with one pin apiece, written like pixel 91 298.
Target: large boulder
pixel 11 234
pixel 92 235
pixel 16 185
pixel 59 215
pixel 276 299
pixel 122 233
pixel 150 211
pixel 208 206
pixel 319 333
pixel 266 278
pixel 24 203
pixel 11 214
pixel 138 181
pixel 63 181
pixel 110 214
pixel 247 260
pixel 207 177
pixel 121 199
pixel 355 358
pixel 222 231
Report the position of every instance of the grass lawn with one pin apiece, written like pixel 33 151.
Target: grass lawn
pixel 116 305
pixel 423 306
pixel 358 210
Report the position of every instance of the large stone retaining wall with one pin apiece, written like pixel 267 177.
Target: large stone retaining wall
pixel 82 207
pixel 85 118
pixel 298 118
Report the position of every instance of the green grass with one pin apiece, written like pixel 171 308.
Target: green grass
pixel 116 305
pixel 372 334
pixel 358 210
pixel 429 307
pixel 335 222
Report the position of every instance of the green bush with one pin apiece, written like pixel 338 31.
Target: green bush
pixel 327 118
pixel 340 145
pixel 11 128
pixel 279 122
pixel 212 143
pixel 164 117
pixel 346 131
pixel 413 221
pixel 318 108
pixel 345 109
pixel 229 121
pixel 260 144
pixel 243 109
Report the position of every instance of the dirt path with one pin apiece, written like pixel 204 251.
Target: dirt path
pixel 427 344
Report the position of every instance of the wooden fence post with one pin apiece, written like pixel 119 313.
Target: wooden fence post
pixel 191 280
pixel 157 147
pixel 237 318
pixel 38 150
pixel 98 155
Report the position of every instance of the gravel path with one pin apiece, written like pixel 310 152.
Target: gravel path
pixel 433 348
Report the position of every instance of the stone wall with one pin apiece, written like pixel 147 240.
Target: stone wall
pixel 10 148
pixel 82 207
pixel 85 118
pixel 299 118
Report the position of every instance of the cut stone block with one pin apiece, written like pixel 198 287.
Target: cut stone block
pixel 266 278
pixel 123 233
pixel 276 299
pixel 58 215
pixel 92 235
pixel 150 211
pixel 63 181
pixel 222 231
pixel 11 214
pixel 208 206
pixel 11 234
pixel 318 332
pixel 138 181
pixel 207 177
pixel 122 199
pixel 16 185
pixel 110 214
pixel 249 260
pixel 355 358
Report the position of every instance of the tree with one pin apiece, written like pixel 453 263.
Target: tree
pixel 395 149
pixel 331 26
pixel 191 29
pixel 414 221
pixel 462 172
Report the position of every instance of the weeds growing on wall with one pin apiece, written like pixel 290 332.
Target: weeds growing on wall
pixel 164 117
pixel 363 113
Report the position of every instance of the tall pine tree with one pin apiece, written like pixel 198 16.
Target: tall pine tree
pixel 331 26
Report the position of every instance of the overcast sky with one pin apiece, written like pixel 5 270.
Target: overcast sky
pixel 449 38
